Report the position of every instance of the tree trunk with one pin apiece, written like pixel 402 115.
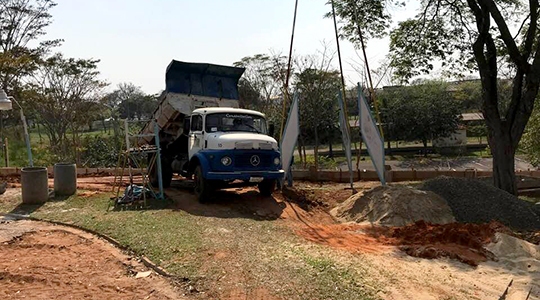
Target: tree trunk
pixel 504 176
pixel 330 151
pixel 103 125
pixel 299 148
pixel 424 142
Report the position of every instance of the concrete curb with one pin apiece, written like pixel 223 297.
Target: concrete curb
pixel 314 175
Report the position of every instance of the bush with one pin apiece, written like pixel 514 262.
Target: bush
pixel 100 151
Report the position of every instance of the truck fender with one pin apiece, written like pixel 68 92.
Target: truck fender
pixel 199 159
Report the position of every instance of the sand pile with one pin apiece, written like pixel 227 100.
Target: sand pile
pixel 516 253
pixel 394 205
pixel 473 201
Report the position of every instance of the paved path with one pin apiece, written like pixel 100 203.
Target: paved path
pixel 481 164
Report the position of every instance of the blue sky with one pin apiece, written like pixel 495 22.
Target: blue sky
pixel 136 39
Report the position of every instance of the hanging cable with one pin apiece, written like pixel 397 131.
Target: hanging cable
pixel 371 89
pixel 286 87
pixel 340 64
pixel 344 97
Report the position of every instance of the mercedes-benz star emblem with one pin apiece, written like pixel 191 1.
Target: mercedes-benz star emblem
pixel 255 160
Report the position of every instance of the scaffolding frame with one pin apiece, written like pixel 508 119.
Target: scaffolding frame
pixel 129 159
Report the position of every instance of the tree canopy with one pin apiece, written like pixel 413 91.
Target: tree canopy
pixel 421 112
pixel 473 36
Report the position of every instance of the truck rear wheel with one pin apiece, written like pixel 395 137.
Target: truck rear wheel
pixel 166 172
pixel 267 187
pixel 202 188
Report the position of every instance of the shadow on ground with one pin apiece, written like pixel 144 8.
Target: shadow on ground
pixel 230 203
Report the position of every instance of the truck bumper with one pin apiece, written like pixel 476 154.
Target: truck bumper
pixel 247 175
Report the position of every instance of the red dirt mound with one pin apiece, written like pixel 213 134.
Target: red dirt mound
pixel 464 242
pixel 349 237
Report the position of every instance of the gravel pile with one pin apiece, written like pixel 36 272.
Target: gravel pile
pixel 473 201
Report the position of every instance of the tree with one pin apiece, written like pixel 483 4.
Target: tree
pixel 22 22
pixel 317 85
pixel 421 112
pixel 63 93
pixel 470 36
pixel 129 101
pixel 263 83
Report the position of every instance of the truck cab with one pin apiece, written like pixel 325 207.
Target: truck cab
pixel 231 144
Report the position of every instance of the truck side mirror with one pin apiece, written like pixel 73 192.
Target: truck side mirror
pixel 271 129
pixel 187 125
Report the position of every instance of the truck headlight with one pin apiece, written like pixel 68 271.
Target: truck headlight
pixel 226 161
pixel 277 161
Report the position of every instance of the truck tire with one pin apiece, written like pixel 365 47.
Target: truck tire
pixel 267 187
pixel 166 172
pixel 202 188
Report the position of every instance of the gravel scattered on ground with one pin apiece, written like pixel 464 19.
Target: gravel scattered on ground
pixel 473 201
pixel 397 205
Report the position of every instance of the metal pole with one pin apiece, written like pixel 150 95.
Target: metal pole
pixel 158 161
pixel 126 128
pixel 6 148
pixel 27 139
pixel 2 137
pixel 26 135
pixel 286 90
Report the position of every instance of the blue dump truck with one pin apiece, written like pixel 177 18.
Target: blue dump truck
pixel 205 136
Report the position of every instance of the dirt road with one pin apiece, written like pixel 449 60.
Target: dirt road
pixel 43 261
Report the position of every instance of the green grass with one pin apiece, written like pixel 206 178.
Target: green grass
pixel 257 253
pixel 530 199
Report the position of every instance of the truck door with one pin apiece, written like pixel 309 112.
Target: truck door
pixel 196 135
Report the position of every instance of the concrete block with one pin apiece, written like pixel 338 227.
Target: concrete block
pixel 8 171
pixel 91 171
pixel 402 175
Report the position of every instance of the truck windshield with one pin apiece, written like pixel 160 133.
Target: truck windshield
pixel 235 122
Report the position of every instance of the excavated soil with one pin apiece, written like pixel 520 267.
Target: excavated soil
pixel 397 205
pixel 464 242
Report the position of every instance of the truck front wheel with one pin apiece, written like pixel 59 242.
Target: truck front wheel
pixel 267 187
pixel 202 188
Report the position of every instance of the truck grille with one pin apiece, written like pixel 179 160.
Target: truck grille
pixel 245 160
